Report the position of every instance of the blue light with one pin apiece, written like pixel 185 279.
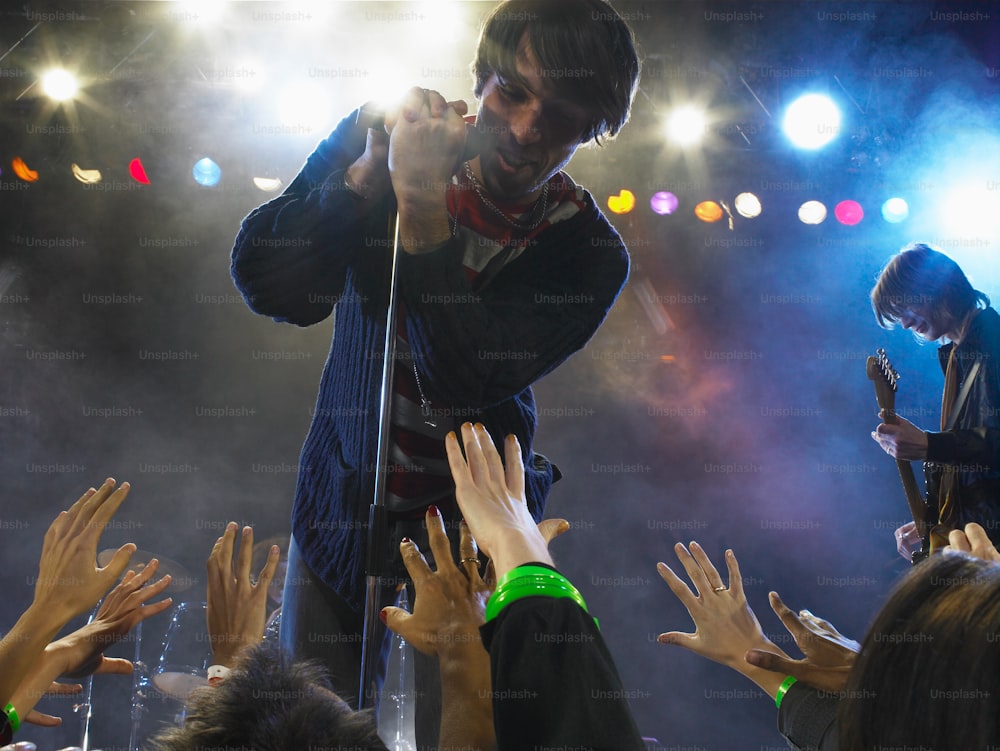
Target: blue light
pixel 206 172
pixel 895 210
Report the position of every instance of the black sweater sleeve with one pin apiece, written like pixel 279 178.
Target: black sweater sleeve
pixel 555 684
pixel 807 718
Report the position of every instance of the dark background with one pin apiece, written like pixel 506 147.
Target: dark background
pixel 724 400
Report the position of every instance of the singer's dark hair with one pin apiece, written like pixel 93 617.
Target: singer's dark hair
pixel 921 277
pixel 585 46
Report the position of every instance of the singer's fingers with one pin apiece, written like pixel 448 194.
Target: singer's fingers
pixel 460 106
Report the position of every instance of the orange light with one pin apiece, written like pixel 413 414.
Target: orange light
pixel 708 211
pixel 667 358
pixel 23 171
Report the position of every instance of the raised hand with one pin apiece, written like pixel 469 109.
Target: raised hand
pixel 973 541
pixel 236 608
pixel 491 497
pixel 69 580
pixel 725 626
pixel 450 602
pixel 829 655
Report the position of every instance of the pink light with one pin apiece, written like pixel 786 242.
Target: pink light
pixel 849 213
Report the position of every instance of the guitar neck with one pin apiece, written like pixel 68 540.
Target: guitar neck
pixel 913 497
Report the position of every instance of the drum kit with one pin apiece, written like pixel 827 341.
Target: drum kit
pixel 161 687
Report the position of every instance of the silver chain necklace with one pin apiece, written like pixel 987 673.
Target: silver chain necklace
pixel 543 201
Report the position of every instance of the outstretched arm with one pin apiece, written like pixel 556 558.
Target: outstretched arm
pixel 69 581
pixel 725 626
pixel 82 652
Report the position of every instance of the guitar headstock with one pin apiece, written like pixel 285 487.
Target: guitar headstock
pixel 885 378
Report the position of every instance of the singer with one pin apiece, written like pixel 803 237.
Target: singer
pixel 507 268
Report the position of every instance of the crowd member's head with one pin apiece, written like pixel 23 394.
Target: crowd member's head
pixel 270 703
pixel 924 290
pixel 550 75
pixel 928 675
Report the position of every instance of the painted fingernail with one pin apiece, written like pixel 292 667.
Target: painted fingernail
pixel 404 540
pixel 433 510
pixel 383 616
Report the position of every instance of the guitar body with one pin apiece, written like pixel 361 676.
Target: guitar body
pixel 885 379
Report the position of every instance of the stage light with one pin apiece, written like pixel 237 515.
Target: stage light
pixel 686 125
pixel 59 84
pixel 895 210
pixel 748 205
pixel 812 212
pixel 305 108
pixel 622 203
pixel 199 11
pixel 137 171
pixel 663 202
pixel 446 18
pixel 86 176
pixel 23 171
pixel 267 184
pixel 970 212
pixel 206 172
pixel 849 212
pixel 812 121
pixel 708 211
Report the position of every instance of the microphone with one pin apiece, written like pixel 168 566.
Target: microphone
pixel 372 117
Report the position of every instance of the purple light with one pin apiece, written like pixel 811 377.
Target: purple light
pixel 663 202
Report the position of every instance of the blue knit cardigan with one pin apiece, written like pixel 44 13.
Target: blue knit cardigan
pixel 315 249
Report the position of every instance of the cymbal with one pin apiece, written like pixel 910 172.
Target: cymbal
pixel 180 578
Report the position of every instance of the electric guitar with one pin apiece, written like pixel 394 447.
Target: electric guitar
pixel 885 378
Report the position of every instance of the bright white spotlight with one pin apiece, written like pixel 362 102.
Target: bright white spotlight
pixel 446 18
pixel 199 11
pixel 895 210
pixel 59 84
pixel 305 108
pixel 812 121
pixel 970 212
pixel 686 125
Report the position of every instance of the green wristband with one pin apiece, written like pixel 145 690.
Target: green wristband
pixel 12 718
pixel 530 581
pixel 783 689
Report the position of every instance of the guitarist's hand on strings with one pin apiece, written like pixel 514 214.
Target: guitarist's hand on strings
pixel 973 541
pixel 900 438
pixel 908 540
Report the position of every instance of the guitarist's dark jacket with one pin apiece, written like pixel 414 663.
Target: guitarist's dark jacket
pixel 972 447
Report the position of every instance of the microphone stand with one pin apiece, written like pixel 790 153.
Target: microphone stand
pixel 375 557
pixel 377 549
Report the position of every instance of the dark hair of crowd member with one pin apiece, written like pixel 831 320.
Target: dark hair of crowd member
pixel 270 703
pixel 923 277
pixel 583 45
pixel 928 675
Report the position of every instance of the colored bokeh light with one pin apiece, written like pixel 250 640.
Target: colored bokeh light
pixel 663 202
pixel 708 211
pixel 849 213
pixel 812 212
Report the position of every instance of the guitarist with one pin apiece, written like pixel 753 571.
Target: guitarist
pixel 924 290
